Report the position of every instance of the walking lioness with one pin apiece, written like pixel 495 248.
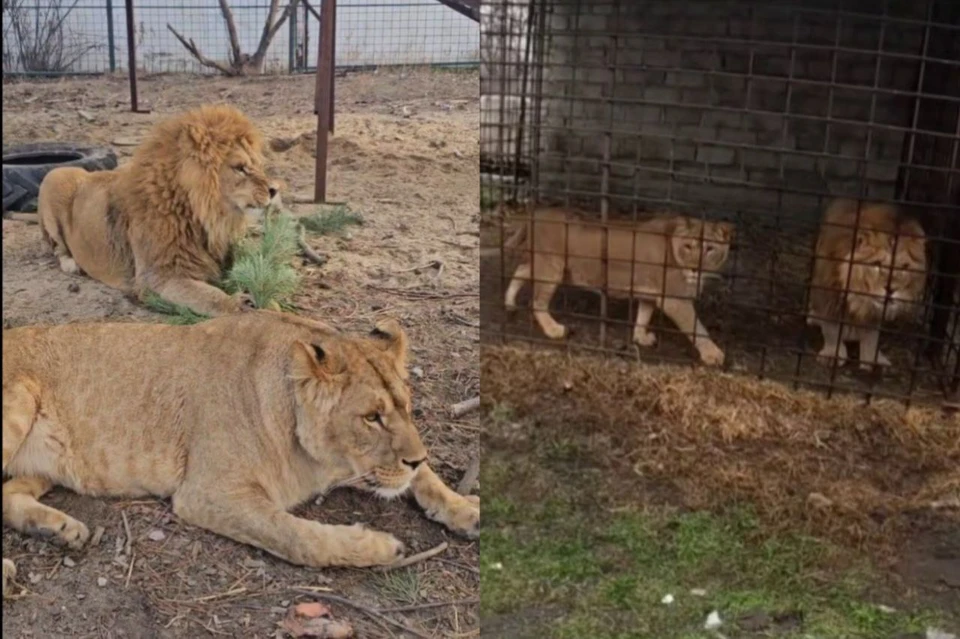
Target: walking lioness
pixel 237 420
pixel 663 262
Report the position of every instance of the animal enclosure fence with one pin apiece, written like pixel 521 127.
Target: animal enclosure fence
pixel 69 37
pixel 757 114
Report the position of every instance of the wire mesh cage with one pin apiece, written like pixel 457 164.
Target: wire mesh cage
pixel 772 187
pixel 70 37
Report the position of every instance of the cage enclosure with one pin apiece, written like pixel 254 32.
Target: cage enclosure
pixel 754 116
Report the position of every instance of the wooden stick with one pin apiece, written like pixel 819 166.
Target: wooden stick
pixel 433 604
pixel 376 614
pixel 412 559
pixel 32 218
pixel 308 251
pixel 462 408
pixel 470 476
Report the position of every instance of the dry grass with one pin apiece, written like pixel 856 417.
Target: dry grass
pixel 854 473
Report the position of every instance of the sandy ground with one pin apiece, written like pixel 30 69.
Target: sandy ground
pixel 405 156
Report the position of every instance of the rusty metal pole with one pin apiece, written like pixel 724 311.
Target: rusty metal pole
pixel 333 58
pixel 322 101
pixel 132 57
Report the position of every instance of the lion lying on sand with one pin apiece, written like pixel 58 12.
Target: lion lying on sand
pixel 237 420
pixel 166 220
pixel 663 262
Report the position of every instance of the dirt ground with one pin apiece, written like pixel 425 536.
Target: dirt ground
pixel 596 438
pixel 405 156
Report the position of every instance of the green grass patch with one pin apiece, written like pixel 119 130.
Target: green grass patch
pixel 605 573
pixel 176 314
pixel 332 221
pixel 262 266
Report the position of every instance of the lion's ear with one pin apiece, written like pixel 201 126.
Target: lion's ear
pixel 313 361
pixel 391 337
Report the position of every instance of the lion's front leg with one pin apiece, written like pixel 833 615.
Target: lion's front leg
pixel 442 504
pixel 199 296
pixel 259 522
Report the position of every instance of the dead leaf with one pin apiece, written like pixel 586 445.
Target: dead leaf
pixel 312 619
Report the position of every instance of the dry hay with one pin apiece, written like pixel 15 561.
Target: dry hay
pixel 838 468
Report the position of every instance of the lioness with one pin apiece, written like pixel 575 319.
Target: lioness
pixel 237 420
pixel 870 267
pixel 166 220
pixel 663 261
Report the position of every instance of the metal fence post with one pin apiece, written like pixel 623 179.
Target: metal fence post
pixel 110 38
pixel 292 49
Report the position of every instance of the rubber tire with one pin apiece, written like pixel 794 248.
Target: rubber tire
pixel 21 182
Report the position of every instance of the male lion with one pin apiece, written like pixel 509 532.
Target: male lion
pixel 663 261
pixel 870 267
pixel 166 220
pixel 237 419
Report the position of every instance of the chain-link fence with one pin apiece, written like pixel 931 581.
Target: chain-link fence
pixel 69 37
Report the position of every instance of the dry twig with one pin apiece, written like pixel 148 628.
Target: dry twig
pixel 375 614
pixel 462 408
pixel 413 559
pixel 469 476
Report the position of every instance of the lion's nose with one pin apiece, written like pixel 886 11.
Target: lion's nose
pixel 414 463
pixel 273 192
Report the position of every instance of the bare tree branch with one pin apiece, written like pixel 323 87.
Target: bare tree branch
pixel 232 30
pixel 191 47
pixel 267 25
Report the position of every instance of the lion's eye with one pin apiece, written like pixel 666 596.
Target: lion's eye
pixel 240 169
pixel 374 419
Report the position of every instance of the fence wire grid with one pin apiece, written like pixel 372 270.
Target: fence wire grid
pixel 71 37
pixel 684 166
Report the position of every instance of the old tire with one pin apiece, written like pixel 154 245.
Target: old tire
pixel 25 166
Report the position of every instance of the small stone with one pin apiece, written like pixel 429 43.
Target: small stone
pixel 496 566
pixel 81 596
pixel 73 287
pixel 667 599
pixel 156 535
pixel 698 592
pixel 34 578
pixel 69 563
pixel 284 602
pixel 417 372
pixel 101 581
pixel 713 621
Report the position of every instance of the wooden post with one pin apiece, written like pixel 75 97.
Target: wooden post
pixel 323 96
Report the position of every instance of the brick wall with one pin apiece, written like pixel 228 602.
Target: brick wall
pixel 724 123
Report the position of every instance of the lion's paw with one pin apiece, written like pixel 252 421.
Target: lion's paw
pixel 460 515
pixel 64 531
pixel 9 574
pixel 644 338
pixel 367 547
pixel 711 355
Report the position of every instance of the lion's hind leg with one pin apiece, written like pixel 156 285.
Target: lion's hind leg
pixel 21 401
pixel 9 573
pixel 22 512
pixel 50 229
pixel 440 503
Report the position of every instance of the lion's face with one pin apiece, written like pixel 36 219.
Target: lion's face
pixel 886 272
pixel 354 409
pixel 244 184
pixel 701 247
